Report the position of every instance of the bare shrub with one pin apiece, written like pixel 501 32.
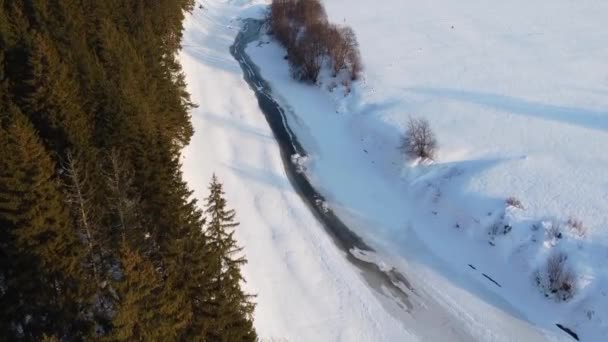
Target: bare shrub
pixel 554 231
pixel 280 12
pixel 576 226
pixel 301 27
pixel 343 50
pixel 353 57
pixel 309 12
pixel 336 48
pixel 499 228
pixel 557 279
pixel 514 202
pixel 308 54
pixel 419 140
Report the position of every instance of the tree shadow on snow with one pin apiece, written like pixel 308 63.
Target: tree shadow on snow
pixel 262 176
pixel 234 124
pixel 587 118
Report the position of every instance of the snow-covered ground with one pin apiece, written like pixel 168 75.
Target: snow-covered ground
pixel 517 93
pixel 306 290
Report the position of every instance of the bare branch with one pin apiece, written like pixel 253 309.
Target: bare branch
pixel 419 140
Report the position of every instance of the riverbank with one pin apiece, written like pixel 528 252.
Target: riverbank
pixel 353 161
pixel 292 151
pixel 306 288
pixel 519 132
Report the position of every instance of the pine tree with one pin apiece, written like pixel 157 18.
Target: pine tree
pixel 186 258
pixel 184 291
pixel 40 252
pixel 139 317
pixel 51 98
pixel 231 318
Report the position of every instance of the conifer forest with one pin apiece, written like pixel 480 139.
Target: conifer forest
pixel 100 238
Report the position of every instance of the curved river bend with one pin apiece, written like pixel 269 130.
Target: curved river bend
pixel 343 237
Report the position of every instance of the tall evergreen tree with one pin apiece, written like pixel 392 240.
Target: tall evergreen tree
pixel 51 98
pixel 232 308
pixel 140 316
pixel 40 253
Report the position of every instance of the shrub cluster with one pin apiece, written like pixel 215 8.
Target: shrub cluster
pixel 514 202
pixel 556 279
pixel 577 226
pixel 301 26
pixel 499 227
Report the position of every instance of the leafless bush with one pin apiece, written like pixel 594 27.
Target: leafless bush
pixel 353 57
pixel 419 140
pixel 307 56
pixel 337 50
pixel 343 50
pixel 309 12
pixel 499 228
pixel 577 226
pixel 557 279
pixel 301 27
pixel 514 202
pixel 280 11
pixel 554 231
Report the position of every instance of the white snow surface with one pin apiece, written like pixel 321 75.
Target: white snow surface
pixel 517 93
pixel 306 290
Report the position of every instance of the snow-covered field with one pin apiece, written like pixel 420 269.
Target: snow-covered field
pixel 517 93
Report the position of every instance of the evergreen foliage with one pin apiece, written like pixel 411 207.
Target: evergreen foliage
pixel 229 302
pixel 99 236
pixel 40 254
pixel 139 317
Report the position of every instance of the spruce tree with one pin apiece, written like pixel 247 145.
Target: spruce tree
pixel 231 319
pixel 185 283
pixel 41 254
pixel 139 317
pixel 186 259
pixel 51 98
